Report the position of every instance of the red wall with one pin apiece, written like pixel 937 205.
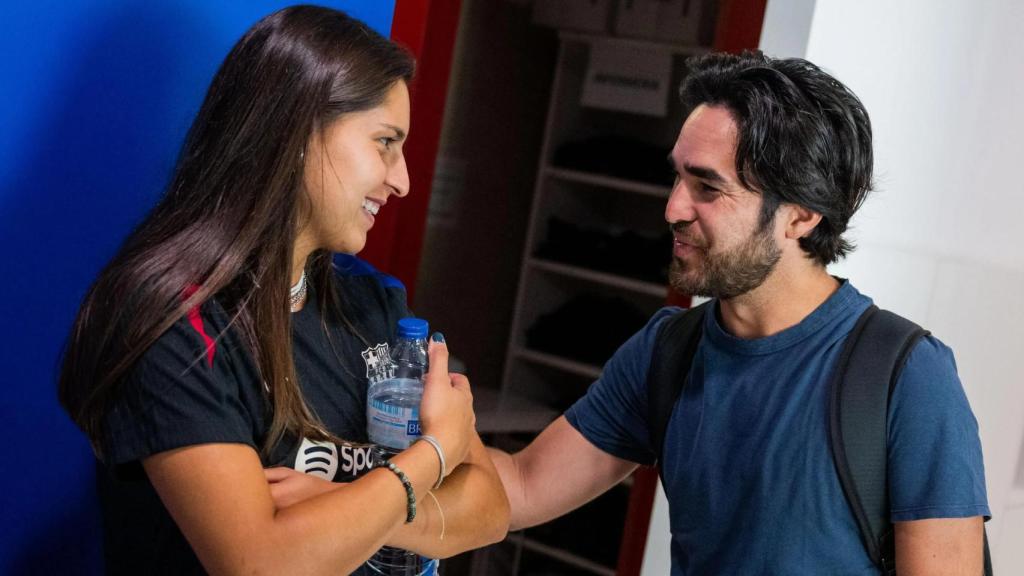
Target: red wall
pixel 428 29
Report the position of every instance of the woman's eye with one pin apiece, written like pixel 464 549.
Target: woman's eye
pixel 385 141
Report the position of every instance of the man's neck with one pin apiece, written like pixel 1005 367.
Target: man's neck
pixel 785 298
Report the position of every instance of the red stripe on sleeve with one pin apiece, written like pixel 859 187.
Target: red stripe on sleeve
pixel 196 320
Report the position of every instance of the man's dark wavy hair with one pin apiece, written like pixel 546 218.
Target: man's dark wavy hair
pixel 803 138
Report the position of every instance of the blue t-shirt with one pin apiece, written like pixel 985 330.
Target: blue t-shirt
pixel 748 471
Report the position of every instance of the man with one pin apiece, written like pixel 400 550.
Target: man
pixel 771 163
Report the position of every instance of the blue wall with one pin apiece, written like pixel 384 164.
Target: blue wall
pixel 95 100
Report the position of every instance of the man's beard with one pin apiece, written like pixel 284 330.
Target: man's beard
pixel 728 274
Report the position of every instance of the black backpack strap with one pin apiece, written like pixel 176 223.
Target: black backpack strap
pixel 671 358
pixel 988 554
pixel 867 371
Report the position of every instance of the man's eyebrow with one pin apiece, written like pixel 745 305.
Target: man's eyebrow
pixel 398 131
pixel 705 174
pixel 701 172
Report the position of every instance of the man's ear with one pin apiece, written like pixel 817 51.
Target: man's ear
pixel 799 221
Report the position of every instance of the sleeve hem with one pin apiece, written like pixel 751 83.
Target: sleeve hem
pixel 138 453
pixel 931 512
pixel 621 452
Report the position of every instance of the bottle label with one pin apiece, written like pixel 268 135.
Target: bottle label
pixel 392 425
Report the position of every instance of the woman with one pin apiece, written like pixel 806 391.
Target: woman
pixel 192 366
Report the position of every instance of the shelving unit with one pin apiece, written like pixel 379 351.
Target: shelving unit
pixel 598 277
pixel 565 557
pixel 592 200
pixel 609 182
pixel 561 547
pixel 538 384
pixel 569 366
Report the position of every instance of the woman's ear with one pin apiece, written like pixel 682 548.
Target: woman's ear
pixel 799 221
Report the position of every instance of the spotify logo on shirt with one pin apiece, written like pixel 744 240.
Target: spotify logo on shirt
pixel 325 459
pixel 317 458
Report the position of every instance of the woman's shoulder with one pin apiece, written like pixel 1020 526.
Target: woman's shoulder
pixel 186 389
pixel 200 333
pixel 359 281
pixel 369 295
pixel 350 267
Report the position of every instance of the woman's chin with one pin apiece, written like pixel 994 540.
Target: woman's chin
pixel 351 246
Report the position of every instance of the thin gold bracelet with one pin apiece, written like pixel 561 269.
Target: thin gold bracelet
pixel 440 511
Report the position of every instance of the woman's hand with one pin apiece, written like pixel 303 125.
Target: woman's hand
pixel 289 486
pixel 446 411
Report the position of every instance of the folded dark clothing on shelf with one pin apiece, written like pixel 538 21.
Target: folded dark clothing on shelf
pixel 625 253
pixel 616 156
pixel 588 328
pixel 600 546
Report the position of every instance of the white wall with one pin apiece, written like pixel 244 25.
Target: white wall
pixel 943 81
pixel 786 27
pixel 657 556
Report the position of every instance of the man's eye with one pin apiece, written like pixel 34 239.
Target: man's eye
pixel 708 190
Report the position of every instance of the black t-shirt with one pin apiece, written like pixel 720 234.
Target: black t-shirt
pixel 198 384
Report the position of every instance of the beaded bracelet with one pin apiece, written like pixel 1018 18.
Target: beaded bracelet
pixel 440 454
pixel 410 496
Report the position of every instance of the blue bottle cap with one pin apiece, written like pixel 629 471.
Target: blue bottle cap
pixel 413 328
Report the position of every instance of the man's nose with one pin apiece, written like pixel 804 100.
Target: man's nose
pixel 680 204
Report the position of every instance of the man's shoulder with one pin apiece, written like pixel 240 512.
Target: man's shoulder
pixel 930 358
pixel 664 314
pixel 928 350
pixel 651 335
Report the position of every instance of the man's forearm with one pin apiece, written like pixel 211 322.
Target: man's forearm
pixel 512 480
pixel 558 472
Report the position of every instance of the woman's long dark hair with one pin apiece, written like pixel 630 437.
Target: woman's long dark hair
pixel 227 222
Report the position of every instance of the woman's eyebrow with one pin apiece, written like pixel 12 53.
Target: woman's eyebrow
pixel 400 133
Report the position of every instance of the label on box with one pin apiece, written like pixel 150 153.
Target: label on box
pixel 628 79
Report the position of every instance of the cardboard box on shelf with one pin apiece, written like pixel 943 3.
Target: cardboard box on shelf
pixel 673 21
pixel 627 79
pixel 584 15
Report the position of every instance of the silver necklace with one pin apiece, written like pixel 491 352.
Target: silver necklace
pixel 298 292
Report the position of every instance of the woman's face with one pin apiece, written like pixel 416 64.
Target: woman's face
pixel 352 167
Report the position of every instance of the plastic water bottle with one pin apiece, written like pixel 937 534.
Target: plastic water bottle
pixel 393 423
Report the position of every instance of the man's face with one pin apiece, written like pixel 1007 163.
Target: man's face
pixel 720 249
